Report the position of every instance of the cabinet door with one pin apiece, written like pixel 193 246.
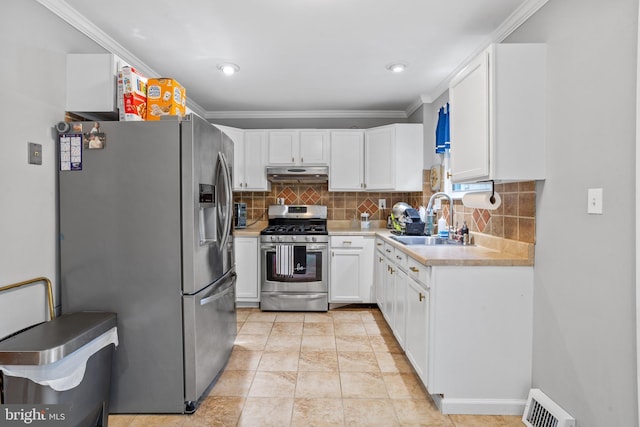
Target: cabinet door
pixel 416 340
pixel 283 148
pixel 346 171
pixel 255 177
pixel 400 306
pixel 389 290
pixel 246 254
pixel 469 121
pixel 314 147
pixel 346 275
pixel 379 155
pixel 379 267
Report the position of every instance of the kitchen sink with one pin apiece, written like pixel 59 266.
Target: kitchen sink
pixel 425 240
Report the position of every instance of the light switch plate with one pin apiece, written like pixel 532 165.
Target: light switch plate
pixel 594 201
pixel 35 153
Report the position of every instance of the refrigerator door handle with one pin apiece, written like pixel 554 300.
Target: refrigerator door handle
pixel 217 294
pixel 226 230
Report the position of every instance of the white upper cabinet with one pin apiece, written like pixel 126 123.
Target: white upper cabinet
pixel 386 158
pixel 497 119
pixel 249 159
pixel 346 170
pixel 293 147
pixel 379 158
pixel 91 82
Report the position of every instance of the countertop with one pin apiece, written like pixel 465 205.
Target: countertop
pixel 487 250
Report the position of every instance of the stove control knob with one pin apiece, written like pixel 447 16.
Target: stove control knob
pixel 307 238
pixel 293 238
pixel 281 238
pixel 313 239
pixel 273 238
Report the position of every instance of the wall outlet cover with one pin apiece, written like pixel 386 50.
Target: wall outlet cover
pixel 35 153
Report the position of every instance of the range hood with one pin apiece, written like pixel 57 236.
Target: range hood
pixel 298 174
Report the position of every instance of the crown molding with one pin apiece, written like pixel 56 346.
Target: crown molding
pixel 515 20
pixel 86 27
pixel 308 114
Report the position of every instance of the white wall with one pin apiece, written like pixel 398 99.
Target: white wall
pixel 33 70
pixel 584 306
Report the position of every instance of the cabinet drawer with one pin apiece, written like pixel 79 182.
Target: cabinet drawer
pixel 401 259
pixel 418 272
pixel 389 251
pixel 347 241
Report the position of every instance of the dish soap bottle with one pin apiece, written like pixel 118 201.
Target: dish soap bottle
pixel 443 231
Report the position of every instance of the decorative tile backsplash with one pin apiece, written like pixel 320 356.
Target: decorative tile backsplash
pixel 515 219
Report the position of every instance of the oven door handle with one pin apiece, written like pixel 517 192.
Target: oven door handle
pixel 310 248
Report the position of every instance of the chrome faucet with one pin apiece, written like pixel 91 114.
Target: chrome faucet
pixel 430 209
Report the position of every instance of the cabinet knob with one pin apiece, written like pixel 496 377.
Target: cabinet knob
pixel 301 159
pixel 415 270
pixel 379 259
pixel 293 160
pixel 421 296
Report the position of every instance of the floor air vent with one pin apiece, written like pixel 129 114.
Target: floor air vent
pixel 541 411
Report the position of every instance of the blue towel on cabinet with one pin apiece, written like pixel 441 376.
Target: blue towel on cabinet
pixel 443 140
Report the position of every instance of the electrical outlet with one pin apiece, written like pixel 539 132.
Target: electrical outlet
pixel 382 203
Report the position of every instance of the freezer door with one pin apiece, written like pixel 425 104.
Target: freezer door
pixel 210 330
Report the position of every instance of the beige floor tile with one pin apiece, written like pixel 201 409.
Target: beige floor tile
pixel 318 328
pixel 370 315
pixel 369 413
pixel 120 420
pixel 318 342
pixel 289 317
pixel 261 316
pixel 421 412
pixel 358 361
pixel 266 412
pixel 287 328
pixel 242 314
pixel 283 343
pixel 350 329
pixel 157 421
pixel 484 420
pixel 317 317
pixel 353 343
pixel 404 386
pixel 243 360
pixel 233 383
pixel 317 412
pixel 346 316
pixel 385 344
pixel 219 411
pixel 256 328
pixel 318 385
pixel 250 342
pixel 393 362
pixel 279 361
pixel 320 361
pixel 273 384
pixel 363 384
pixel 377 328
pixel 239 326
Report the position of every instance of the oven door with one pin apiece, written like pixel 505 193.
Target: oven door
pixel 313 278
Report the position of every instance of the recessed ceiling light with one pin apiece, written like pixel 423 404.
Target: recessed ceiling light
pixel 397 67
pixel 228 69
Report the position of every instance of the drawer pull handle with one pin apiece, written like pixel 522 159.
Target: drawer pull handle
pixel 398 257
pixel 388 250
pixel 415 270
pixel 421 296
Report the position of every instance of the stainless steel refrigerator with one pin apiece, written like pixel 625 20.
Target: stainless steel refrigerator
pixel 145 217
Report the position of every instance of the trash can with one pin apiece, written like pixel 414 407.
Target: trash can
pixel 64 364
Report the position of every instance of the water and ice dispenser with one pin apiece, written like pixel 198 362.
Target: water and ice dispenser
pixel 207 214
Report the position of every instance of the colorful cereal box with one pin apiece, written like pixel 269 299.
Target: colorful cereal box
pixel 132 95
pixel 165 96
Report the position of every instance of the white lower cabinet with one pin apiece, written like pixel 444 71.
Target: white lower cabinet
pixel 247 262
pixel 417 336
pixel 379 266
pixel 351 277
pixel 467 330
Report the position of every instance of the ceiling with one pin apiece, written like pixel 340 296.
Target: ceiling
pixel 298 56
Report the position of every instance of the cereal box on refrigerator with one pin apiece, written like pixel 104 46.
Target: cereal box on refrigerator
pixel 132 95
pixel 165 96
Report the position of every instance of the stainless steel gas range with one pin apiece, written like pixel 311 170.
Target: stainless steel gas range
pixel 294 259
